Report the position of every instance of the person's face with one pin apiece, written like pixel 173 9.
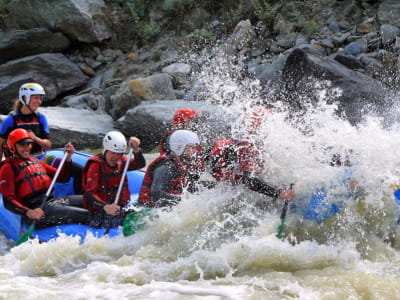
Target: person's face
pixel 112 158
pixel 35 102
pixel 23 150
pixel 190 153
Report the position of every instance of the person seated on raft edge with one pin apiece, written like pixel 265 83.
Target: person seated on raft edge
pixel 234 162
pixel 26 115
pixel 24 181
pixel 168 175
pixel 187 118
pixel 102 175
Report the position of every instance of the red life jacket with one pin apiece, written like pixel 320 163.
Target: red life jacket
pixel 175 187
pixel 231 159
pixel 109 180
pixel 30 177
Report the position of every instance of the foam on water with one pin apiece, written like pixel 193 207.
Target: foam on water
pixel 221 243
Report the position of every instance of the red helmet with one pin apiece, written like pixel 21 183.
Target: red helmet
pixel 181 115
pixel 17 135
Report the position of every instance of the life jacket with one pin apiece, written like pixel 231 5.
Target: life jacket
pixel 164 148
pixel 33 125
pixel 230 159
pixel 109 180
pixel 30 177
pixel 175 187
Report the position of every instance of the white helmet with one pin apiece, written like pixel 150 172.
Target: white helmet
pixel 114 141
pixel 29 89
pixel 180 138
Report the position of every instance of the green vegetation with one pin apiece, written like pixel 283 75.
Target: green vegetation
pixel 297 8
pixel 3 9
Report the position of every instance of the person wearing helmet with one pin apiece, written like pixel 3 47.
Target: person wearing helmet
pixel 235 162
pixel 24 181
pixel 25 115
pixel 102 175
pixel 167 175
pixel 184 118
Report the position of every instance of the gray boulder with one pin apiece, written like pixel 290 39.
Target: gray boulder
pixel 389 12
pixel 308 74
pixel 84 128
pixel 83 21
pixel 132 92
pixel 54 72
pixel 20 43
pixel 152 119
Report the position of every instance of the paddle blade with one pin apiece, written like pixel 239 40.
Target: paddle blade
pixel 26 236
pixel 137 220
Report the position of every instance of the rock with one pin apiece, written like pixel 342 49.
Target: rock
pixel 84 128
pixel 389 33
pixel 353 48
pixel 54 72
pixel 151 119
pixel 242 35
pixel 87 69
pixel 20 43
pixel 178 68
pixel 340 39
pixel 389 12
pixel 94 100
pixel 349 61
pixel 287 40
pixel 155 87
pixel 352 90
pixel 83 21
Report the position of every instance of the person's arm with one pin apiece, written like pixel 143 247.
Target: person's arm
pixel 162 178
pixel 6 127
pixel 44 140
pixel 43 143
pixel 260 186
pixel 136 162
pixel 7 188
pixel 90 189
pixel 2 144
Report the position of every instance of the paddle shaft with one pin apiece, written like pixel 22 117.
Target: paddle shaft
pixel 283 216
pixel 121 184
pixel 32 227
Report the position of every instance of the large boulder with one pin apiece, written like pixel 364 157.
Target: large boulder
pixel 152 119
pixel 132 92
pixel 20 43
pixel 83 20
pixel 54 72
pixel 310 75
pixel 84 128
pixel 389 12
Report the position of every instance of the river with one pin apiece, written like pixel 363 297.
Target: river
pixel 222 244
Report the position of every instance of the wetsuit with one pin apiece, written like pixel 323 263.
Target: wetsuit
pixel 24 183
pixel 35 122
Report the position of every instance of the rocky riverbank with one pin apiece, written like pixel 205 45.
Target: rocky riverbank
pixel 130 64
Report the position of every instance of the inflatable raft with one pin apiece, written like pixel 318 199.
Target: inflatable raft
pixel 12 226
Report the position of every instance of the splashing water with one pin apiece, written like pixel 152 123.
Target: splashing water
pixel 221 243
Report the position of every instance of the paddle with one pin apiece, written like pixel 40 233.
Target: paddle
pixel 134 221
pixel 119 188
pixel 283 216
pixel 27 235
